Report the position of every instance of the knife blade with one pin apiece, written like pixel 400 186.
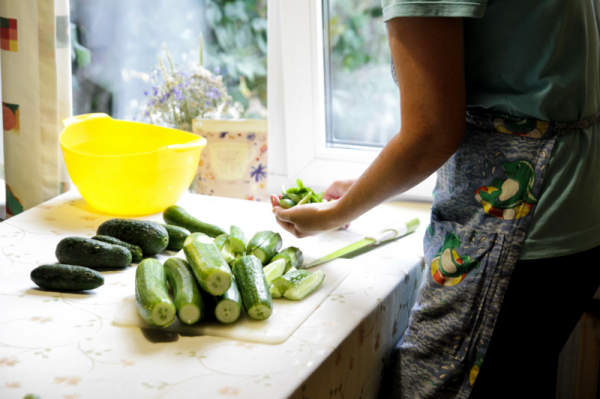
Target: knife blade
pixel 385 235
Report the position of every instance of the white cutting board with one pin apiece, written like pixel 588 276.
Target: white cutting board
pixel 287 315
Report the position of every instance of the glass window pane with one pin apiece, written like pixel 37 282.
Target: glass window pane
pixel 362 100
pixel 125 39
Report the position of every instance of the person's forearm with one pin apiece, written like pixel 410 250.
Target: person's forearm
pixel 428 55
pixel 401 165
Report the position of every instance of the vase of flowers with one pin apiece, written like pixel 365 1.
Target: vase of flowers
pixel 179 95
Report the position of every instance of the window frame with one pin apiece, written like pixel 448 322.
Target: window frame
pixel 297 120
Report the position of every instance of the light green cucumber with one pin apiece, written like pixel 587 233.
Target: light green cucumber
pixel 264 245
pixel 152 295
pixel 253 286
pixel 274 270
pixel 229 305
pixel 293 257
pixel 209 267
pixel 186 294
pixel 221 240
pixel 297 284
pixel 237 239
pixel 227 252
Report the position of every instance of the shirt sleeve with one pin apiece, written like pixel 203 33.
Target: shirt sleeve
pixel 433 8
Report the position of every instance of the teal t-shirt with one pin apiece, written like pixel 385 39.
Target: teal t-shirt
pixel 537 59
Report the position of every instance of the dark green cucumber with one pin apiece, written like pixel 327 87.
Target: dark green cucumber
pixel 177 236
pixel 253 286
pixel 152 295
pixel 150 236
pixel 91 253
pixel 178 216
pixel 264 245
pixel 221 240
pixel 136 252
pixel 229 305
pixel 293 257
pixel 237 240
pixel 297 284
pixel 211 270
pixel 186 294
pixel 66 277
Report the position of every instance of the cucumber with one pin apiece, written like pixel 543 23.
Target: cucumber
pixel 152 295
pixel 186 294
pixel 274 292
pixel 221 240
pixel 150 236
pixel 298 284
pixel 66 277
pixel 178 216
pixel 227 252
pixel 177 236
pixel 253 286
pixel 237 240
pixel 211 270
pixel 293 257
pixel 229 305
pixel 136 252
pixel 274 270
pixel 91 253
pixel 264 245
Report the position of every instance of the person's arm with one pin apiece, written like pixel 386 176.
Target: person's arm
pixel 429 60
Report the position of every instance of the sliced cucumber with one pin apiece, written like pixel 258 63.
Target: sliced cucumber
pixel 253 286
pixel 237 239
pixel 229 305
pixel 188 302
pixel 274 292
pixel 293 257
pixel 264 245
pixel 209 267
pixel 297 284
pixel 152 295
pixel 221 240
pixel 227 252
pixel 305 286
pixel 274 270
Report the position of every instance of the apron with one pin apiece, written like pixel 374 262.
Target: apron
pixel 483 201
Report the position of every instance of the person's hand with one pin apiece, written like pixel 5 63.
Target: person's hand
pixel 337 189
pixel 308 219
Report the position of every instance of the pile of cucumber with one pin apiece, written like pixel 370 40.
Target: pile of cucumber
pixel 221 274
pixel 299 195
pixel 119 243
pixel 221 271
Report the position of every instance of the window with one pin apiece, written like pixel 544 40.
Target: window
pixel 119 42
pixel 298 80
pixel 362 101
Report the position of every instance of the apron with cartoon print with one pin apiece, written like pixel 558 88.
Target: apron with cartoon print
pixel 483 201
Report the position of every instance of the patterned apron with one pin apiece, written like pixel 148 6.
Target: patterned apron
pixel 483 201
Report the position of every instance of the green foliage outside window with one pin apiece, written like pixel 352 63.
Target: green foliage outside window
pixel 238 46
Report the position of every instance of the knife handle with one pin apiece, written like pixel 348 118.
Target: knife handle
pixel 399 231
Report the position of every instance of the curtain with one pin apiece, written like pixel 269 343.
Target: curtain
pixel 36 97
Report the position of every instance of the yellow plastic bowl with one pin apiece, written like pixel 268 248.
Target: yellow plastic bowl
pixel 129 168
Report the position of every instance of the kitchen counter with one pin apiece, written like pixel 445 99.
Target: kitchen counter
pixel 64 345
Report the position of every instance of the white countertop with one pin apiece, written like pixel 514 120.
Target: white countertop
pixel 64 345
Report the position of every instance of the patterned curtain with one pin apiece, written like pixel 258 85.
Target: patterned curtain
pixel 36 96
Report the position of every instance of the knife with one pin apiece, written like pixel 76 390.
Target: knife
pixel 385 235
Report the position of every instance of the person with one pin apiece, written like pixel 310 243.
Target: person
pixel 501 98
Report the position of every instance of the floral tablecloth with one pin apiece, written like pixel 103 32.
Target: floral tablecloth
pixel 64 345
